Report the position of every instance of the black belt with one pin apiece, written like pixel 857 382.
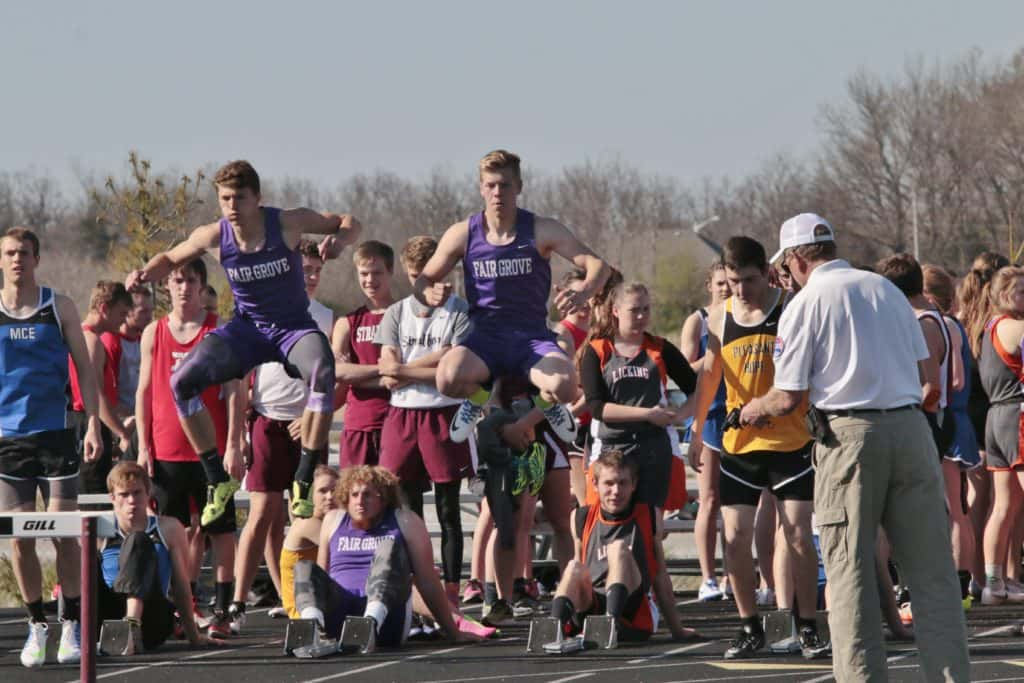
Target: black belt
pixel 854 412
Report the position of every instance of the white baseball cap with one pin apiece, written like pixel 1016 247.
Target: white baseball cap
pixel 806 228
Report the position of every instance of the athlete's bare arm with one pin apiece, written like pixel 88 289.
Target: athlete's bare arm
pixel 931 389
pixel 341 229
pixel 662 586
pixel 395 373
pixel 689 340
pixel 708 381
pixel 178 549
pixel 144 398
pixel 553 237
pixel 203 239
pixel 323 554
pixel 107 413
pixel 71 324
pixel 424 576
pixel 364 375
pixel 430 286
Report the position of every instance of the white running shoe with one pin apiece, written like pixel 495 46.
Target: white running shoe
pixel 562 422
pixel 33 653
pixel 709 591
pixel 994 592
pixel 70 650
pixel 278 612
pixel 1014 591
pixel 765 597
pixel 465 419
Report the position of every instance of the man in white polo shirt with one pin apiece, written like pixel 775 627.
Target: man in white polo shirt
pixel 851 340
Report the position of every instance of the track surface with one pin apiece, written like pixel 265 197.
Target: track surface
pixel 255 657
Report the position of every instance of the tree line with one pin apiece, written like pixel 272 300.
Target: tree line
pixel 939 147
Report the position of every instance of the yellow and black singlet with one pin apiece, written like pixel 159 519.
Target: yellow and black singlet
pixel 748 370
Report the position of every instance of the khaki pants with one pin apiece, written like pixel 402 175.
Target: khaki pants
pixel 884 469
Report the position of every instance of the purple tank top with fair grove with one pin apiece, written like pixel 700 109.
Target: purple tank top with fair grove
pixel 507 285
pixel 267 284
pixel 351 550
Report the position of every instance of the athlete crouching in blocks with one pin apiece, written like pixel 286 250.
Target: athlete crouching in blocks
pixel 139 568
pixel 371 556
pixel 604 591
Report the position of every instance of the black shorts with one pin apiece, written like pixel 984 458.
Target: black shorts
pixel 92 475
pixel 44 455
pixel 179 489
pixel 652 451
pixel 789 476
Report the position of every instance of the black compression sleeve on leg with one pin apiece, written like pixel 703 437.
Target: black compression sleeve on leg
pixel 35 611
pixel 308 459
pixel 449 514
pixel 213 466
pixel 137 566
pixel 616 595
pixel 412 491
pixel 223 590
pixel 562 609
pixel 72 609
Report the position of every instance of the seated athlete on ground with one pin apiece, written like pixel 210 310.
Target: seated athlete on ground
pixel 506 254
pixel 618 559
pixel 256 245
pixel 303 539
pixel 143 565
pixel 371 555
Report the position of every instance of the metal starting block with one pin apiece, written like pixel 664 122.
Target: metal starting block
pixel 120 638
pixel 300 633
pixel 543 630
pixel 600 632
pixel 565 646
pixel 781 634
pixel 358 634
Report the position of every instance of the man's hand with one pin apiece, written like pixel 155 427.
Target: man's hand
pixel 392 384
pixel 295 429
pixel 661 416
pixel 695 450
pixel 203 641
pixel 234 462
pixel 752 415
pixel 436 294
pixel 569 301
pixel 92 444
pixel 135 280
pixel 389 367
pixel 687 635
pixel 330 248
pixel 517 434
pixel 145 460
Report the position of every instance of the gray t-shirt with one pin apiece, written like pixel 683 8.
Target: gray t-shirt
pixel 417 330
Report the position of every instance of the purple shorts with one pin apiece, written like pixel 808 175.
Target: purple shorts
pixel 414 444
pixel 257 344
pixel 509 351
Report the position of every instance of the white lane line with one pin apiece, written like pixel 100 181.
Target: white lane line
pixel 678 650
pixel 168 662
pixel 570 678
pixel 381 665
pixel 1008 629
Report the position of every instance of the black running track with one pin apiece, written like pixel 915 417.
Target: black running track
pixel 255 657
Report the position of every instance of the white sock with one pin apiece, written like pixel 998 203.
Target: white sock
pixel 312 612
pixel 993 573
pixel 377 611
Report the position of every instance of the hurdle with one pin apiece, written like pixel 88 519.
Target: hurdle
pixel 87 527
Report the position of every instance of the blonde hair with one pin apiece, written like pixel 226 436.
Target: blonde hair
pixel 938 284
pixel 607 326
pixel 124 473
pixel 384 482
pixel 373 249
pixel 418 250
pixel 973 294
pixel 1000 288
pixel 500 160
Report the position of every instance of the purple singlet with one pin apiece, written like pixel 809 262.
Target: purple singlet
pixel 507 285
pixel 267 284
pixel 351 551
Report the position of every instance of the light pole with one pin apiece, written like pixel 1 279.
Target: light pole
pixel 697 227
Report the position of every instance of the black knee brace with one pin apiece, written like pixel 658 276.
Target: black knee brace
pixel 390 579
pixel 137 566
pixel 449 514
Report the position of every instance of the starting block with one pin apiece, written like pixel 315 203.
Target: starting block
pixel 543 630
pixel 301 633
pixel 120 638
pixel 780 631
pixel 600 632
pixel 358 634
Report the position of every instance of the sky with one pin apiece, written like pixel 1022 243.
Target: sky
pixel 324 90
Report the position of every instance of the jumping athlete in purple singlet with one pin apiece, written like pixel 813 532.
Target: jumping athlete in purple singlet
pixel 506 254
pixel 256 245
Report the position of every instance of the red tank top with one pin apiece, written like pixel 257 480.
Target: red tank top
pixel 578 337
pixel 169 442
pixel 109 373
pixel 365 408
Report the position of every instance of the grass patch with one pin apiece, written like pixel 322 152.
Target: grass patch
pixel 10 596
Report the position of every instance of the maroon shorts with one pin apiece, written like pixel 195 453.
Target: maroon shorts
pixel 359 447
pixel 416 447
pixel 275 456
pixel 557 451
